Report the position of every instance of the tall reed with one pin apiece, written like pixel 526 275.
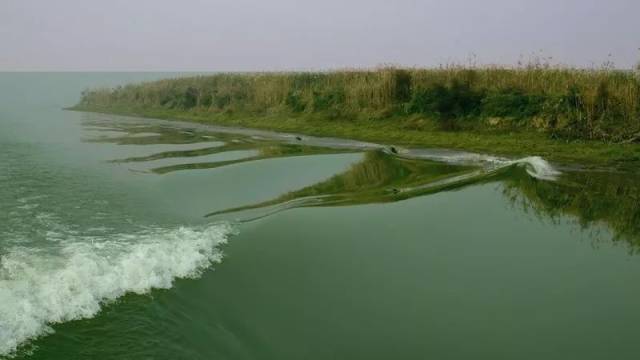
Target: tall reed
pixel 601 104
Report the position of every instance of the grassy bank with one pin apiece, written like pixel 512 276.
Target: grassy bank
pixel 584 116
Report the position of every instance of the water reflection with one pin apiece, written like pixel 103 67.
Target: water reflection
pixel 192 158
pixel 379 177
pixel 131 133
pixel 594 199
pixel 264 151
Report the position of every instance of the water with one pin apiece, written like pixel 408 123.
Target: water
pixel 124 238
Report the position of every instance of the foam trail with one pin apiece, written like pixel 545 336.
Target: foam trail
pixel 38 288
pixel 535 166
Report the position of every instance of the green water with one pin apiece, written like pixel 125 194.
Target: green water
pixel 124 238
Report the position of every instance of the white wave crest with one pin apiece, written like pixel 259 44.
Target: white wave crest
pixel 536 167
pixel 38 288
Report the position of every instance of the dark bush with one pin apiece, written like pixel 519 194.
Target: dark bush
pixel 324 101
pixel 180 99
pixel 451 101
pixel 602 98
pixel 575 112
pixel 295 102
pixel 512 103
pixel 207 100
pixel 189 98
pixel 401 86
pixel 222 100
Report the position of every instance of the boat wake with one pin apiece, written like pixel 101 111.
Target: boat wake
pixel 535 166
pixel 38 288
pixel 384 176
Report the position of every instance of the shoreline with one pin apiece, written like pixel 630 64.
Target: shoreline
pixel 577 155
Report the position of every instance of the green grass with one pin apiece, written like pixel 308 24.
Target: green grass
pixel 568 115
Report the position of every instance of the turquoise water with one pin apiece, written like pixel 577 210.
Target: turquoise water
pixel 314 249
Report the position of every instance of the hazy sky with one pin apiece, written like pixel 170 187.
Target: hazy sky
pixel 224 35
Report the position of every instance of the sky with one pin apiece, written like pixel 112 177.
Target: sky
pixel 261 35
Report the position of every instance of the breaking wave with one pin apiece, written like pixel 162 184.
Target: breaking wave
pixel 40 288
pixel 535 166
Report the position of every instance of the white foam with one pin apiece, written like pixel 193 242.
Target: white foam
pixel 536 167
pixel 39 288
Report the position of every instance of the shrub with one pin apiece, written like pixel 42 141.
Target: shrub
pixel 295 102
pixel 221 100
pixel 401 90
pixel 457 99
pixel 206 100
pixel 323 101
pixel 189 98
pixel 512 103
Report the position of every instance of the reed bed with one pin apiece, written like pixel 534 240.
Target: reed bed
pixel 592 104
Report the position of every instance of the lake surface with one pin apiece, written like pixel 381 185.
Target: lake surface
pixel 125 238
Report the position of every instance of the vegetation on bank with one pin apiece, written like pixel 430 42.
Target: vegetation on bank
pixel 498 110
